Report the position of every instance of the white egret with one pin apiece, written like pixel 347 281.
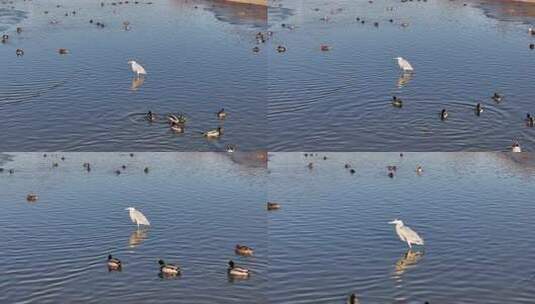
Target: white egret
pixel 406 234
pixel 404 64
pixel 137 68
pixel 137 217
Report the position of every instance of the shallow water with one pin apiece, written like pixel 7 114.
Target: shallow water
pixel 340 100
pixel 198 58
pixel 331 237
pixel 199 205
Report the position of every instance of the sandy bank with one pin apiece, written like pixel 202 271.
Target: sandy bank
pixel 255 2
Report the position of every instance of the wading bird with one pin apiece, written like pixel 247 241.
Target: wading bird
pixel 137 68
pixel 404 64
pixel 137 217
pixel 406 234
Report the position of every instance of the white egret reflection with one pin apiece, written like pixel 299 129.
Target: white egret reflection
pixel 137 237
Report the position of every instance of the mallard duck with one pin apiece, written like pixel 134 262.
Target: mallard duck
pixel 497 97
pixel 256 49
pixel 325 48
pixel 352 171
pixel 281 49
pixel 214 133
pixel 32 197
pixel 169 269
pixel 63 51
pixel 443 114
pixel 479 109
pixel 114 263
pixel 221 114
pixel 397 102
pixel 20 52
pixel 352 299
pixel 150 116
pixel 237 271
pixel 146 170
pixel 243 250
pixel 273 206
pixel 19 30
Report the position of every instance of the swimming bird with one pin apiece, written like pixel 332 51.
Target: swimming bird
pixel 243 250
pixel 137 217
pixel 406 234
pixel 32 197
pixel 352 299
pixel 150 116
pixel 221 114
pixel 479 109
pixel 404 64
pixel 213 133
pixel 114 263
pixel 231 148
pixel 178 128
pixel 273 206
pixel 169 269
pixel 325 48
pixel 443 114
pixel 515 147
pixel 397 102
pixel 20 52
pixel 419 170
pixel 63 51
pixel 530 120
pixel 137 68
pixel 176 119
pixel 281 49
pixel 497 97
pixel 237 271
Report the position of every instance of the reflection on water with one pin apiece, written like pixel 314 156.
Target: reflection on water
pixel 404 79
pixel 516 11
pixel 138 236
pixel 471 207
pixel 57 248
pixel 137 82
pixel 407 261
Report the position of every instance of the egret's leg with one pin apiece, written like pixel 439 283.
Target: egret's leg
pixel 409 244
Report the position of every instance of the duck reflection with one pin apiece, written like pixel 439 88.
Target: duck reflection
pixel 404 79
pixel 407 261
pixel 137 237
pixel 137 82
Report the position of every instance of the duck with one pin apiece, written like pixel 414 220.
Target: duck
pixel 243 250
pixel 443 114
pixel 150 116
pixel 231 148
pixel 178 128
pixel 515 147
pixel 531 31
pixel 391 174
pixel 20 52
pixel 114 263
pixel 352 171
pixel 479 109
pixel 168 269
pixel 531 121
pixel 325 48
pixel 213 133
pixel 63 51
pixel 146 170
pixel 273 206
pixel 32 197
pixel 221 114
pixel 419 170
pixel 256 49
pixel 281 49
pixel 237 271
pixel 352 299
pixel 397 102
pixel 497 97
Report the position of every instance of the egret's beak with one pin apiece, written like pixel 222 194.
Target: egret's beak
pixel 392 222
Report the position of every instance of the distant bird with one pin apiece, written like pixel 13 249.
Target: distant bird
pixel 63 51
pixel 404 64
pixel 243 250
pixel 114 263
pixel 175 119
pixel 32 197
pixel 237 271
pixel 20 52
pixel 137 217
pixel 281 49
pixel 273 206
pixel 397 102
pixel 352 299
pixel 137 68
pixel 150 116
pixel 168 269
pixel 177 128
pixel 325 48
pixel 221 114
pixel 231 148
pixel 419 170
pixel 497 97
pixel 406 234
pixel 443 114
pixel 479 109
pixel 213 133
pixel 515 147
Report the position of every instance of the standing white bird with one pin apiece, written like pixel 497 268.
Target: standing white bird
pixel 137 217
pixel 406 234
pixel 137 68
pixel 404 64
